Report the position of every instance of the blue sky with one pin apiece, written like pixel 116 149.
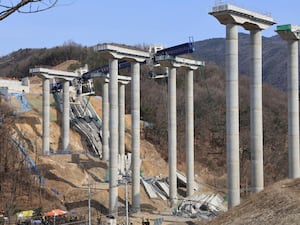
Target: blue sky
pixel 166 22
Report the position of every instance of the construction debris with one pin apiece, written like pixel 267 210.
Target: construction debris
pixel 149 189
pixel 202 205
pixel 205 206
pixel 157 186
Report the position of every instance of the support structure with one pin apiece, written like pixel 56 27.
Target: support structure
pixel 122 126
pixel 122 80
pixel 189 134
pixel 48 74
pixel 114 53
pixel 232 17
pixel 105 121
pixel 46 116
pixel 172 135
pixel 113 140
pixel 256 116
pixel 66 117
pixel 172 63
pixel 136 136
pixel 232 115
pixel 122 84
pixel 291 33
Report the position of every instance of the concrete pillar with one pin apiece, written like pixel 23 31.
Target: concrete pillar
pixel 46 116
pixel 172 136
pixel 113 140
pixel 232 115
pixel 105 122
pixel 256 119
pixel 135 120
pixel 189 134
pixel 122 126
pixel 293 109
pixel 66 116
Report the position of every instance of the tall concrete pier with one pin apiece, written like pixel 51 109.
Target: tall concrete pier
pixel 291 33
pixel 256 116
pixel 65 77
pixel 135 135
pixel 122 126
pixel 66 116
pixel 232 17
pixel 46 116
pixel 189 134
pixel 172 135
pixel 114 139
pixel 114 53
pixel 172 63
pixel 123 81
pixel 232 115
pixel 105 121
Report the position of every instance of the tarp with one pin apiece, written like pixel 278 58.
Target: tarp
pixel 55 212
pixel 27 213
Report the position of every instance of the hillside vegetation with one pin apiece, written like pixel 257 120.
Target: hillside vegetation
pixel 209 105
pixel 274 51
pixel 17 63
pixel 209 92
pixel 212 51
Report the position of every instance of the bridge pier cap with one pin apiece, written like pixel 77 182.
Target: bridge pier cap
pixel 289 32
pixel 177 62
pixel 117 51
pixel 230 14
pixel 51 73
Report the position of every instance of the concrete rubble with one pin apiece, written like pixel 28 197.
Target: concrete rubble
pixel 205 206
pixel 201 205
pixel 156 187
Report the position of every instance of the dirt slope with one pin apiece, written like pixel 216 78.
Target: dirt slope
pixel 67 177
pixel 277 204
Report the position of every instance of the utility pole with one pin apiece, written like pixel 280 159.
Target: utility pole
pixel 125 181
pixel 126 196
pixel 89 200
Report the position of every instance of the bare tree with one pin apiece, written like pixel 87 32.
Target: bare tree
pixel 8 7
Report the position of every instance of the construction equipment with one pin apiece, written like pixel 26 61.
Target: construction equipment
pixel 85 86
pixel 155 53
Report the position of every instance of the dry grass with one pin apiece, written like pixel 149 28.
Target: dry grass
pixel 277 204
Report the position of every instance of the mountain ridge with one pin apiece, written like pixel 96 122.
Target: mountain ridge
pixel 274 57
pixel 212 51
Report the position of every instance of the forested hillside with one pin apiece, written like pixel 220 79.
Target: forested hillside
pixel 17 63
pixel 274 57
pixel 212 51
pixel 209 92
